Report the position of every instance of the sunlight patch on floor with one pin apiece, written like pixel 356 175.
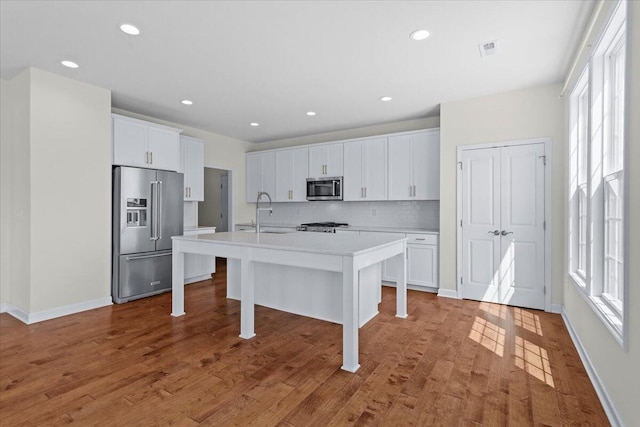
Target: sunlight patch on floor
pixel 488 335
pixel 527 320
pixel 494 309
pixel 534 360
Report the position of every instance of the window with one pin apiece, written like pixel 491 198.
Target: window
pixel 597 196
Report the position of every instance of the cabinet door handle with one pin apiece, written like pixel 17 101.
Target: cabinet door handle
pixel 186 191
pixel 414 191
pixel 151 157
pixel 365 192
pixel 146 157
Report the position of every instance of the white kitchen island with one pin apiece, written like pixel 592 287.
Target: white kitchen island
pixel 338 253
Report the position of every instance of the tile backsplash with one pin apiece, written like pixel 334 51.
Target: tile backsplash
pixel 410 214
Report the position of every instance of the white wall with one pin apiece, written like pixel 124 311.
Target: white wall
pixel 618 369
pixel 56 186
pixel 522 114
pixel 408 125
pixel 70 191
pixel 219 152
pixel 15 191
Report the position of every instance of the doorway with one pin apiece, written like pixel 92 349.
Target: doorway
pixel 214 211
pixel 502 211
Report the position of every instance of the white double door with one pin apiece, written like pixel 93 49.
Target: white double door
pixel 503 225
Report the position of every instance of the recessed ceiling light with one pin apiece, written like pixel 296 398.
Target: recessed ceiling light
pixel 311 113
pixel 254 124
pixel 130 29
pixel 419 34
pixel 186 102
pixel 386 98
pixel 69 64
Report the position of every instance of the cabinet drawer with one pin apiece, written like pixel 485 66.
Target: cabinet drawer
pixel 144 274
pixel 422 239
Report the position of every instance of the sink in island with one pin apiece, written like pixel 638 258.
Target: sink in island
pixel 267 269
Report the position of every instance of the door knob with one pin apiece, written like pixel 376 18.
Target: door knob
pixel 505 232
pixel 494 232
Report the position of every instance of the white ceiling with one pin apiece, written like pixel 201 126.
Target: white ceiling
pixel 272 61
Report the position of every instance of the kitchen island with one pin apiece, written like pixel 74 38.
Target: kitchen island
pixel 346 255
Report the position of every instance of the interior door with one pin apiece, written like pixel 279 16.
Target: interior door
pixel 224 203
pixel 481 224
pixel 503 225
pixel 522 226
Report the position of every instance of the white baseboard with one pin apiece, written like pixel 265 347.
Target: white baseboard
pixel 609 409
pixel 448 293
pixel 4 307
pixel 197 279
pixel 557 308
pixel 52 313
pixel 15 312
pixel 419 288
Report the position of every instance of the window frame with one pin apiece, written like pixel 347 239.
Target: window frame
pixel 600 78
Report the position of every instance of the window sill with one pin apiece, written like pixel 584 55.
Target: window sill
pixel 608 317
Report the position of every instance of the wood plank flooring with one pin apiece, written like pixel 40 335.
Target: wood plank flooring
pixel 450 363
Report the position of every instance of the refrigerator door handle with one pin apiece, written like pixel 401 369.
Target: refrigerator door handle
pixel 154 210
pixel 159 215
pixel 133 258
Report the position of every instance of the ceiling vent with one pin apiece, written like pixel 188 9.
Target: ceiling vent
pixel 488 48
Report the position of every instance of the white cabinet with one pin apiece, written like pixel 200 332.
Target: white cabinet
pixel 422 260
pixel 292 170
pixel 326 160
pixel 192 165
pixel 365 169
pixel 260 175
pixel 144 144
pixel 198 267
pixel 414 166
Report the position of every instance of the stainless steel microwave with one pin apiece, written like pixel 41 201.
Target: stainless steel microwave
pixel 324 188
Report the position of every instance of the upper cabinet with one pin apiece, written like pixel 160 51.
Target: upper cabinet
pixel 292 169
pixel 192 165
pixel 365 170
pixel 325 160
pixel 144 144
pixel 401 166
pixel 261 174
pixel 414 166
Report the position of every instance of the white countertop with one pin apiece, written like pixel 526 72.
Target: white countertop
pixel 381 229
pixel 392 229
pixel 203 228
pixel 322 243
pixel 267 224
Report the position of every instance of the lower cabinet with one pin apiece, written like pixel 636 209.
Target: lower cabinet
pixel 422 261
pixel 198 267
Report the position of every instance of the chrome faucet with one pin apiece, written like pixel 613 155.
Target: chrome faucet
pixel 258 209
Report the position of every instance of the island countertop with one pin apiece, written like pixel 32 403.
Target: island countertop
pixel 322 243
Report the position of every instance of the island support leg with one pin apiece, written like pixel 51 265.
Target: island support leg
pixel 350 311
pixel 177 281
pixel 247 309
pixel 401 285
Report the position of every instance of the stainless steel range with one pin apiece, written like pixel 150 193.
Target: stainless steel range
pixel 321 227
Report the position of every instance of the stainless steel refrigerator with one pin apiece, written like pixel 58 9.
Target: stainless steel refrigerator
pixel 147 211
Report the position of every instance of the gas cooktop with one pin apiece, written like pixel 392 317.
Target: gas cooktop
pixel 321 227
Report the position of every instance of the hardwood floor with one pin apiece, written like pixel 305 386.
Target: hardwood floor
pixel 450 363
